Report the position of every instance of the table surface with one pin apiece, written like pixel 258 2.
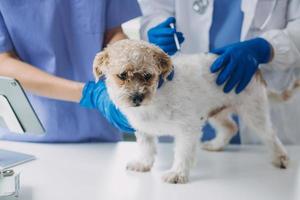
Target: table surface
pixel 97 171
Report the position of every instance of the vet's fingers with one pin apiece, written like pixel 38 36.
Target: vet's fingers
pixel 234 79
pixel 180 37
pixel 167 22
pixel 171 53
pixel 226 72
pixel 247 76
pixel 163 32
pixel 219 51
pixel 219 63
pixel 168 39
pixel 169 49
pixel 165 40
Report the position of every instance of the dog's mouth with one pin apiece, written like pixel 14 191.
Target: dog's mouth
pixel 137 105
pixel 139 99
pixel 135 99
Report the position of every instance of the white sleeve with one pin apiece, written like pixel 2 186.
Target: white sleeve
pixel 286 42
pixel 154 12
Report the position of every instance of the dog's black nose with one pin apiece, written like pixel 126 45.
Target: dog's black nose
pixel 137 98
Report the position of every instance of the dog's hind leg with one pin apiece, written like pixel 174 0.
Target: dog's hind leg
pixel 225 129
pixel 146 153
pixel 255 114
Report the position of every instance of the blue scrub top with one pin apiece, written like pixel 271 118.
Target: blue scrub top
pixel 61 37
pixel 227 23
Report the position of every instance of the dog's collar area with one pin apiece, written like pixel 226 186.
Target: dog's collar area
pixel 169 78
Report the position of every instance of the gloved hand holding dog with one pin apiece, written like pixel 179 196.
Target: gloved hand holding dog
pixel 95 96
pixel 238 63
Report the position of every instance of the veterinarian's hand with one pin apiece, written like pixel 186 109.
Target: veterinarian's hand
pixel 95 96
pixel 162 35
pixel 238 63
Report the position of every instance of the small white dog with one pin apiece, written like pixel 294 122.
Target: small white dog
pixel 180 107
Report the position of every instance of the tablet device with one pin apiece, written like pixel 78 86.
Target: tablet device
pixel 16 112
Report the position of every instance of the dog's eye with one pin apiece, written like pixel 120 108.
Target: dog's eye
pixel 122 76
pixel 147 76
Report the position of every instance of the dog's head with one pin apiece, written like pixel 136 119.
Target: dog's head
pixel 132 70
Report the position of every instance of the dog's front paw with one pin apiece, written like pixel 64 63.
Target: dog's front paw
pixel 138 166
pixel 281 161
pixel 175 177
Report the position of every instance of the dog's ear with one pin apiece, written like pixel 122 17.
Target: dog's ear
pixel 163 62
pixel 100 62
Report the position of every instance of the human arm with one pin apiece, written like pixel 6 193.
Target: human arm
pixel 114 34
pixel 44 84
pixel 37 81
pixel 284 45
pixel 285 42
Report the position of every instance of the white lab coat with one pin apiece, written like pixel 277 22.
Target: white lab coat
pixel 282 31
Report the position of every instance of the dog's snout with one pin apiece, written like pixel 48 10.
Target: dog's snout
pixel 137 99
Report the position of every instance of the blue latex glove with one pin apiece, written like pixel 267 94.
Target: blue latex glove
pixel 162 35
pixel 95 96
pixel 238 62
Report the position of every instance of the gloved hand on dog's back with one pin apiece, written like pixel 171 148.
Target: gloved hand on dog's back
pixel 95 96
pixel 162 35
pixel 238 63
